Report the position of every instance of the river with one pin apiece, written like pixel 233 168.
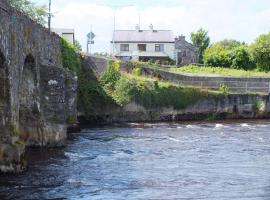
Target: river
pixel 151 161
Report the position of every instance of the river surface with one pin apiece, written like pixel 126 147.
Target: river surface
pixel 151 161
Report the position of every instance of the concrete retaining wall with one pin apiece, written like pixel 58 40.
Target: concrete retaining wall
pixel 235 85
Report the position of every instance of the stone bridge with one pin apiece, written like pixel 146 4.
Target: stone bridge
pixel 37 95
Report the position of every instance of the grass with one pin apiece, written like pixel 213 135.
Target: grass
pixel 190 69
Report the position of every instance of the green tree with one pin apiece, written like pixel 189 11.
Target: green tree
pixel 217 56
pixel 260 50
pixel 77 46
pixel 35 12
pixel 201 41
pixel 242 58
pixel 228 53
pixel 229 44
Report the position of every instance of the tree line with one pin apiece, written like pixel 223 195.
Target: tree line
pixel 231 53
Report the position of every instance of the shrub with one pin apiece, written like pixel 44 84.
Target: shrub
pixel 224 89
pixel 259 106
pixel 230 54
pixel 137 71
pixel 124 91
pixel 111 75
pixel 217 55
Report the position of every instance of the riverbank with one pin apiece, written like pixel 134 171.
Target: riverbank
pixel 125 94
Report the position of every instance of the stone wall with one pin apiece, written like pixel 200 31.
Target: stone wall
pixel 96 63
pixel 37 95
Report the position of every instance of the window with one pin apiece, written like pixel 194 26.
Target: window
pixel 159 47
pixel 124 47
pixel 141 47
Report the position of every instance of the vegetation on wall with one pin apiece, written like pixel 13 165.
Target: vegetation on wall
pixel 77 46
pixel 70 57
pixel 148 92
pixel 91 95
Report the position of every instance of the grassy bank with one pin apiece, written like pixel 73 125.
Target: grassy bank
pixel 218 71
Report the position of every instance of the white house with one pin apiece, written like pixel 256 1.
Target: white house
pixel 67 34
pixel 143 45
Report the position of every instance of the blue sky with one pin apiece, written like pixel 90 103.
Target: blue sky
pixel 243 20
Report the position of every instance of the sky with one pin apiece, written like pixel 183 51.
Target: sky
pixel 243 20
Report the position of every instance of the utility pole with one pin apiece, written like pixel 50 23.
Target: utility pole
pixel 114 24
pixel 115 7
pixel 49 16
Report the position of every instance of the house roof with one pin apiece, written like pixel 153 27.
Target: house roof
pixel 144 36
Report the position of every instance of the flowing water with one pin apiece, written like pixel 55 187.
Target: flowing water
pixel 151 161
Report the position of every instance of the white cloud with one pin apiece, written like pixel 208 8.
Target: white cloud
pixel 238 19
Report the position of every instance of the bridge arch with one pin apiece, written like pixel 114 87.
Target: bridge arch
pixel 3 89
pixel 28 99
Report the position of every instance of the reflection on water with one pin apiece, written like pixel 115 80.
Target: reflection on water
pixel 151 161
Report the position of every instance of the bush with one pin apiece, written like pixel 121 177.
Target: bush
pixel 242 58
pixel 124 91
pixel 217 55
pixel 224 89
pixel 261 52
pixel 230 54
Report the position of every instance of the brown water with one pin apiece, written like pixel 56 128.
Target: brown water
pixel 157 161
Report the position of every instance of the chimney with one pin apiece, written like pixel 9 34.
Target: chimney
pixel 137 28
pixel 151 27
pixel 182 37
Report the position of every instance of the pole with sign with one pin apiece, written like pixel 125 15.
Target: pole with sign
pixel 90 40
